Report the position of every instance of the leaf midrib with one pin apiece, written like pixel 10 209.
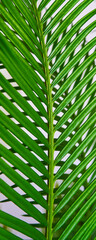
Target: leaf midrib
pixel 50 197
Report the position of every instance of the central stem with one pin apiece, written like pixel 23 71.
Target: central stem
pixel 50 125
pixel 51 159
pixel 51 172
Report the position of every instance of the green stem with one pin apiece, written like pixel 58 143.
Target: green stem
pixel 51 128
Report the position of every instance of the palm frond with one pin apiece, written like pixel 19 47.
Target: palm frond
pixel 47 119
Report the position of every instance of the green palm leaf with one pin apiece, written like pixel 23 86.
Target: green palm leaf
pixel 47 119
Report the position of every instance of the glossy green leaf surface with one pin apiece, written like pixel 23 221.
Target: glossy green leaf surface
pixel 47 120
